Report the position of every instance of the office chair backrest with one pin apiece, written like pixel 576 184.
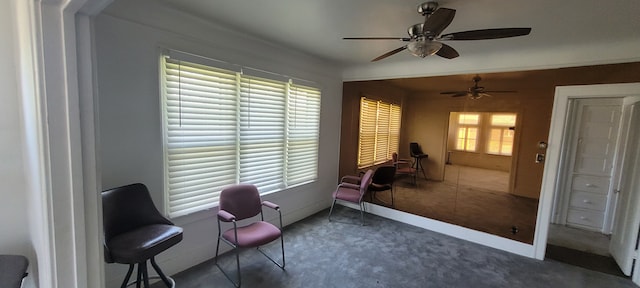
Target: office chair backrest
pixel 365 181
pixel 241 200
pixel 384 175
pixel 128 207
pixel 415 149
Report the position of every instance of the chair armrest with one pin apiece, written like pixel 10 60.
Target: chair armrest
pixel 350 179
pixel 226 216
pixel 350 186
pixel 271 205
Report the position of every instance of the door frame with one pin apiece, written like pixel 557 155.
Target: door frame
pixel 561 200
pixel 550 178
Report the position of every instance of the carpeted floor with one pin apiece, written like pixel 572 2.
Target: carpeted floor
pixel 386 253
pixel 601 263
pixel 472 207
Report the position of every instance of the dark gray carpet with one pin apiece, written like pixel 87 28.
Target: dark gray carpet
pixel 604 264
pixel 386 253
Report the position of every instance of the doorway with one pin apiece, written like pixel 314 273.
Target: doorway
pixel 554 176
pixel 581 224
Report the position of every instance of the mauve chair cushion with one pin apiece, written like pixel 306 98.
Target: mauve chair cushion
pixel 143 243
pixel 347 194
pixel 254 234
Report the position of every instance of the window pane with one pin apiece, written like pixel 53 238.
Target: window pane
pixel 303 128
pixel 507 142
pixel 222 128
pixel 503 120
pixel 379 132
pixel 494 141
pixel 501 137
pixel 470 119
pixel 199 126
pixel 262 130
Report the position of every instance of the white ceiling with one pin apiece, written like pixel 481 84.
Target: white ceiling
pixel 317 27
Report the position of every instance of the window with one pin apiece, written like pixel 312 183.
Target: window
pixel 467 138
pixel 482 132
pixel 379 134
pixel 223 127
pixel 501 134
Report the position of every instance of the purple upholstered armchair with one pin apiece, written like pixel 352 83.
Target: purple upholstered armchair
pixel 352 192
pixel 240 202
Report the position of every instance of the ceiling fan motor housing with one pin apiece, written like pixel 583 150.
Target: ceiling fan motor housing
pixel 427 8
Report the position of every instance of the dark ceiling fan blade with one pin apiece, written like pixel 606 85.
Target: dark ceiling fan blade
pixel 486 34
pixel 455 93
pixel 447 52
pixel 377 38
pixel 499 91
pixel 385 55
pixel 438 21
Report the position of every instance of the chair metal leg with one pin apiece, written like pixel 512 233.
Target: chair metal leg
pixel 139 278
pixel 331 210
pixel 362 212
pixel 167 280
pixel 270 258
pixel 392 196
pixel 235 283
pixel 145 274
pixel 126 278
pixel 239 282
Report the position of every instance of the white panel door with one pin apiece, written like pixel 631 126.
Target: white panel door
pixel 594 147
pixel 597 136
pixel 627 225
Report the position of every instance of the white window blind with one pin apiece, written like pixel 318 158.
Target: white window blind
pixel 262 122
pixel 222 127
pixel 303 133
pixel 379 132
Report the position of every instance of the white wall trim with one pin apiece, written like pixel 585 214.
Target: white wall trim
pixel 456 231
pixel 558 122
pixel 69 254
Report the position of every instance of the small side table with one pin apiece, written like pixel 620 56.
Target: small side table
pixel 13 268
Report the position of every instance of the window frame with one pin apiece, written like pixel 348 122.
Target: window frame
pixel 467 127
pixel 385 136
pixel 293 159
pixel 502 129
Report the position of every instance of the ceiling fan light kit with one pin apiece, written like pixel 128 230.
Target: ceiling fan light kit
pixel 423 48
pixel 425 39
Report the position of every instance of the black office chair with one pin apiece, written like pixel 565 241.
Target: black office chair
pixel 13 269
pixel 418 155
pixel 382 180
pixel 135 232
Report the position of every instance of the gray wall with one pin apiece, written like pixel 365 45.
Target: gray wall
pixel 128 37
pixel 14 224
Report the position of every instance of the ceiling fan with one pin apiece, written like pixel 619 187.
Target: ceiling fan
pixel 425 39
pixel 475 92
